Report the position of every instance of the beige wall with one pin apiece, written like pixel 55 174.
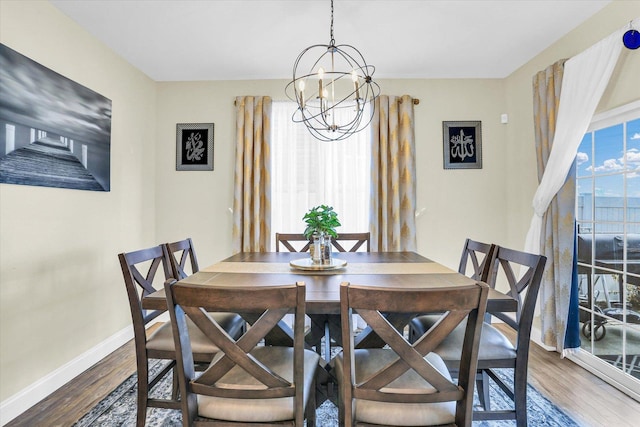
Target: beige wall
pixel 450 198
pixel 61 288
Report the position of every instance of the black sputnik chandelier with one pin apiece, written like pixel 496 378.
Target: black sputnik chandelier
pixel 334 89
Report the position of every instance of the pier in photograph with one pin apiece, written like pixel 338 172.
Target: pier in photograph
pixel 46 162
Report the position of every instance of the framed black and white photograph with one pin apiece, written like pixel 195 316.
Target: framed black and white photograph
pixel 54 132
pixel 462 144
pixel 194 146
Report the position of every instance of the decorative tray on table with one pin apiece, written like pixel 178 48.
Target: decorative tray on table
pixel 307 264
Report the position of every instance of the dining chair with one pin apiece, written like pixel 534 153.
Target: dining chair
pixel 287 240
pixel 523 273
pixel 355 240
pixel 183 261
pixel 402 383
pixel 139 269
pixel 475 262
pixel 248 383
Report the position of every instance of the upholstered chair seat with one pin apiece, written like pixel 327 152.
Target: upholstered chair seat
pixel 162 338
pixel 493 344
pixel 369 361
pixel 279 360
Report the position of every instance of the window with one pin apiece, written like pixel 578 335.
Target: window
pixel 306 172
pixel 608 216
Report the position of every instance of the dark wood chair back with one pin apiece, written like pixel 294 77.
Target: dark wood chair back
pixel 400 374
pixel 293 242
pixel 245 371
pixel 479 254
pixel 139 269
pixel 345 242
pixel 511 264
pixel 180 253
pixel 353 241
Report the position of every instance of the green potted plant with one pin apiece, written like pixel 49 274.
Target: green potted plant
pixel 321 220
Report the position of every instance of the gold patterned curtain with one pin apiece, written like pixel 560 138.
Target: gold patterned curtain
pixel 393 175
pixel 252 180
pixel 557 238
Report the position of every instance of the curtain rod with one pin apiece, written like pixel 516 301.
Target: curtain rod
pixel 416 101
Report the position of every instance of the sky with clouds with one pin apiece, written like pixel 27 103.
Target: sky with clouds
pixel 609 158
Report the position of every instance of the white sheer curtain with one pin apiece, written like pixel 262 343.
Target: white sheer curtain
pixel 586 76
pixel 307 172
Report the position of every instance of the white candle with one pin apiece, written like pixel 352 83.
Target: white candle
pixel 301 86
pixel 354 77
pixel 320 77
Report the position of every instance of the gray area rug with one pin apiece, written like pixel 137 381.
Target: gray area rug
pixel 119 409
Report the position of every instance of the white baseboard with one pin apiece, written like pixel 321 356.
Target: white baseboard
pixel 26 398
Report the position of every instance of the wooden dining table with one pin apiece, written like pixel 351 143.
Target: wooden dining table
pixel 393 269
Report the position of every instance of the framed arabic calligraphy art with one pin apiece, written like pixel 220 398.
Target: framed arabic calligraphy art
pixel 194 146
pixel 462 144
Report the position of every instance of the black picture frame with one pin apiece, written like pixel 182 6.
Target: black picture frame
pixel 462 144
pixel 194 146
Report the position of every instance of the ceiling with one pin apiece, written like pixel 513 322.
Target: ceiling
pixel 173 40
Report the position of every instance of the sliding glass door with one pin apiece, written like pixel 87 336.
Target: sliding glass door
pixel 608 242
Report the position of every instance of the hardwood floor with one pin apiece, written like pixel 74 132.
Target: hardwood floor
pixel 69 403
pixel 588 400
